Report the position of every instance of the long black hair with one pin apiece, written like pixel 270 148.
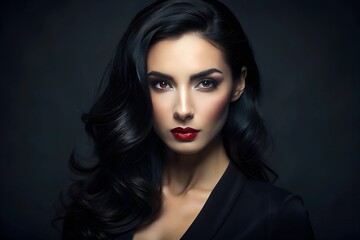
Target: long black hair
pixel 122 190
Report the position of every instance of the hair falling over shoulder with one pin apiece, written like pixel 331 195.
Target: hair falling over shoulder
pixel 123 189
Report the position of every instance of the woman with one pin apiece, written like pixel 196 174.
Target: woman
pixel 178 138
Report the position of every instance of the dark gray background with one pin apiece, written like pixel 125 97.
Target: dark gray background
pixel 53 54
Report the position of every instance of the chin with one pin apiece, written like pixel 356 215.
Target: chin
pixel 186 148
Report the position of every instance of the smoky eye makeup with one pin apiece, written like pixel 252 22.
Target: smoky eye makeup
pixel 204 81
pixel 159 83
pixel 207 80
pixel 207 84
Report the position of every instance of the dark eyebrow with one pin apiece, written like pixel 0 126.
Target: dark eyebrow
pixel 204 73
pixel 192 77
pixel 160 75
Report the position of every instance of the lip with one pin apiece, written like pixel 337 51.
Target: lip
pixel 184 134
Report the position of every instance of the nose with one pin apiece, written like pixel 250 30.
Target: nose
pixel 183 109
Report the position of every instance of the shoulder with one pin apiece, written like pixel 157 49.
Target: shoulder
pixel 284 213
pixel 278 200
pixel 262 210
pixel 272 194
pixel 259 192
pixel 267 196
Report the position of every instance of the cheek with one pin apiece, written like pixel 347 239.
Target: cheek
pixel 215 111
pixel 161 109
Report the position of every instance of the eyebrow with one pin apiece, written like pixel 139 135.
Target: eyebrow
pixel 192 77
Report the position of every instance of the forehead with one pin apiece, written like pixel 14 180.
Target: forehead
pixel 187 53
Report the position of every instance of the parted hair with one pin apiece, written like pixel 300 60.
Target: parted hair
pixel 122 189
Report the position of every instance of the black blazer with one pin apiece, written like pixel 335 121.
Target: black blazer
pixel 241 208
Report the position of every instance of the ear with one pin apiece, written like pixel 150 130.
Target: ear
pixel 239 85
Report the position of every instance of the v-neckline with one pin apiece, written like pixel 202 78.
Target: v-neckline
pixel 216 207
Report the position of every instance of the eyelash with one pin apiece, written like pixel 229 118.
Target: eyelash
pixel 157 82
pixel 213 84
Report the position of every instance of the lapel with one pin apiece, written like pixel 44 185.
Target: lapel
pixel 218 206
pixel 216 209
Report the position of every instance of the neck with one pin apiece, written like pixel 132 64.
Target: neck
pixel 201 170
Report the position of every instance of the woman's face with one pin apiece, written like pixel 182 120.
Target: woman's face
pixel 191 88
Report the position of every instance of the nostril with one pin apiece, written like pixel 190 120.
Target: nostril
pixel 183 117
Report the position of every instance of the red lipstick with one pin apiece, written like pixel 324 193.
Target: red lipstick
pixel 184 134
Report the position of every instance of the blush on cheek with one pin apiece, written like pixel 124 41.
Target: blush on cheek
pixel 158 114
pixel 218 110
pixel 219 106
pixel 161 110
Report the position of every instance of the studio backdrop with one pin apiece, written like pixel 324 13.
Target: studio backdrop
pixel 53 55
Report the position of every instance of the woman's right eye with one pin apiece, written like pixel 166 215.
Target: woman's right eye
pixel 161 85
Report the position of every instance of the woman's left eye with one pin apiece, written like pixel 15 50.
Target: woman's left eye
pixel 206 84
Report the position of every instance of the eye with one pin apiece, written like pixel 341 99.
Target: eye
pixel 207 84
pixel 161 85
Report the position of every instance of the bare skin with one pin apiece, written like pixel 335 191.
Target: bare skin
pixel 194 167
